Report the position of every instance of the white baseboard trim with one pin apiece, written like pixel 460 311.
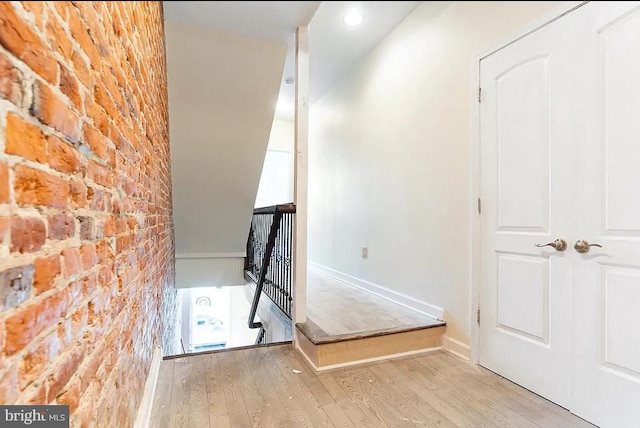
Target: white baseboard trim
pixel 456 347
pixel 364 361
pixel 240 254
pixel 393 296
pixel 144 411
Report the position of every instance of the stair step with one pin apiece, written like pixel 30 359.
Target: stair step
pixel 324 352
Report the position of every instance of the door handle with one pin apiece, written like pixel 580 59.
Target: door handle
pixel 583 246
pixel 558 245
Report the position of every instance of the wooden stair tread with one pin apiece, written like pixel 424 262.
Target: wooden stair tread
pixel 317 336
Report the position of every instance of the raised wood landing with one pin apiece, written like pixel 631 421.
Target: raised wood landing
pixel 338 308
pixel 326 352
pixel 347 325
pixel 258 387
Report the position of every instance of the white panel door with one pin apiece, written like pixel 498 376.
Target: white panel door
pixel 526 189
pixel 560 158
pixel 606 283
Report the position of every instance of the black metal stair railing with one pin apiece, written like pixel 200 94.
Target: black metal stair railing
pixel 269 261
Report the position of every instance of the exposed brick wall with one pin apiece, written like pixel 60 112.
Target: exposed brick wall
pixel 86 234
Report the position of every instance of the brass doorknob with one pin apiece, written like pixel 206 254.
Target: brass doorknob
pixel 583 246
pixel 558 245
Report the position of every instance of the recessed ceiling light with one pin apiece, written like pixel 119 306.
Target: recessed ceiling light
pixel 352 18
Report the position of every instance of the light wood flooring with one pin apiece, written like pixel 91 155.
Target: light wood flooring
pixel 258 387
pixel 339 308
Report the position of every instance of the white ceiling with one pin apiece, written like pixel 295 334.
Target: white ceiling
pixel 334 47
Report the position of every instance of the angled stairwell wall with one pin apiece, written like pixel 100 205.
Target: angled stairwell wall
pixel 223 90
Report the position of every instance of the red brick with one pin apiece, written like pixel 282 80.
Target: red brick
pixel 82 71
pixel 87 229
pixel 100 174
pixel 36 360
pixel 62 156
pixel 96 199
pixel 63 371
pixel 69 87
pixel 19 39
pixel 24 139
pixel 78 193
pixel 50 109
pixel 97 114
pixel 47 270
pixel 98 144
pixel 35 394
pixel 4 182
pixel 91 365
pixel 76 294
pixel 70 397
pixel 105 276
pixel 80 33
pixel 88 256
pixel 35 187
pixel 28 234
pixel 107 157
pixel 62 8
pixel 36 8
pixel 58 37
pixel 10 78
pixel 4 231
pixel 31 319
pixel 109 226
pixel 61 226
pixel 71 262
pixel 9 385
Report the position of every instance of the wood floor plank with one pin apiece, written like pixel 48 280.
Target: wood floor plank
pixel 254 402
pixel 220 421
pixel 199 419
pixel 553 415
pixel 298 389
pixel 369 400
pixel 231 378
pixel 217 402
pixel 198 401
pixel 472 378
pixel 160 420
pixel 424 410
pixel 274 413
pixel 351 409
pixel 307 376
pixel 179 415
pixel 436 396
pixel 492 409
pixel 258 388
pixel 337 416
pixel 296 416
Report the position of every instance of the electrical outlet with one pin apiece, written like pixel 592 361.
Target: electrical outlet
pixel 365 252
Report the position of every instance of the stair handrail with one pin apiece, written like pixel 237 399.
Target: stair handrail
pixel 277 211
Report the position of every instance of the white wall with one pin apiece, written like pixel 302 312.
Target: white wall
pixel 223 90
pixel 281 137
pixel 222 95
pixel 389 160
pixel 281 143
